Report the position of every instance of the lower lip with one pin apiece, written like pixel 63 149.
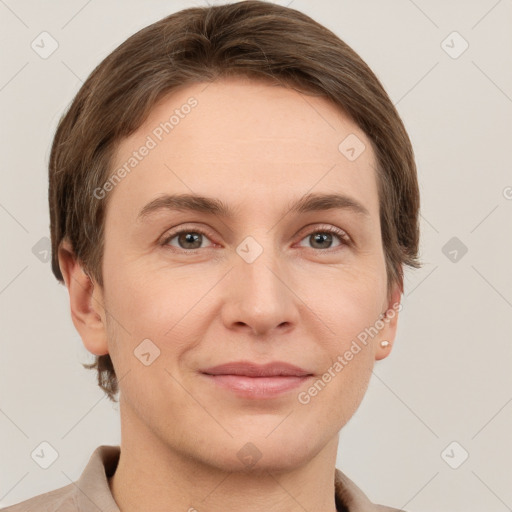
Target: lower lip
pixel 258 387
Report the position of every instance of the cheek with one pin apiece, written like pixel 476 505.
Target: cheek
pixel 348 365
pixel 347 308
pixel 171 309
pixel 147 302
pixel 149 334
pixel 348 303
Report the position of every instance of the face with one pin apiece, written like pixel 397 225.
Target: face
pixel 259 281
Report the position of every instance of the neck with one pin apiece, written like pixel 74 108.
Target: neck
pixel 151 475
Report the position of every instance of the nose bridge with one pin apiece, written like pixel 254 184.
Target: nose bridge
pixel 259 295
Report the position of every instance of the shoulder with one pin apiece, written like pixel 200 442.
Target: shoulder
pixel 353 499
pixel 90 493
pixel 58 500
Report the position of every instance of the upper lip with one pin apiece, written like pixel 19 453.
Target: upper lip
pixel 249 369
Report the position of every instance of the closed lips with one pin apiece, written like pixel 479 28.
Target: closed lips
pixel 248 369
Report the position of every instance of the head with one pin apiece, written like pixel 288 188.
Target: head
pixel 268 115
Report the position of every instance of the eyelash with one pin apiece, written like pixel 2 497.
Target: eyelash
pixel 342 236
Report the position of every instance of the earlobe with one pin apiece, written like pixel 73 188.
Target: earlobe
pixel 86 301
pixel 384 342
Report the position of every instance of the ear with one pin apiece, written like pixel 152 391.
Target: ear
pixel 86 301
pixel 390 321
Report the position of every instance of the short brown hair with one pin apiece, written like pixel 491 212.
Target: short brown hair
pixel 252 38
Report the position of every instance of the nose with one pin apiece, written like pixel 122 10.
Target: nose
pixel 259 297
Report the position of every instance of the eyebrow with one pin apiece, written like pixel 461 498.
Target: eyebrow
pixel 213 206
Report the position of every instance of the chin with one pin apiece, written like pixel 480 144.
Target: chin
pixel 257 452
pixel 264 461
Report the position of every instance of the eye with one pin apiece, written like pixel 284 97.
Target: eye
pixel 190 240
pixel 187 239
pixel 322 238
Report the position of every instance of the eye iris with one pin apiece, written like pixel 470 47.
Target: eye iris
pixel 189 237
pixel 322 238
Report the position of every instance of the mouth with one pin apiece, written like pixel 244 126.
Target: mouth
pixel 252 381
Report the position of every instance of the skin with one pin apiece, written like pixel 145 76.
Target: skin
pixel 257 147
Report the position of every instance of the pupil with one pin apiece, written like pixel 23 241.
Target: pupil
pixel 319 236
pixel 190 238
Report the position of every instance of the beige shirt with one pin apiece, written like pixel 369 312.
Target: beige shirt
pixel 91 492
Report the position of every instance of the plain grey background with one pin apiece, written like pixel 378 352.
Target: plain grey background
pixel 446 390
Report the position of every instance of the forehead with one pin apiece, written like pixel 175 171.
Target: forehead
pixel 241 135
